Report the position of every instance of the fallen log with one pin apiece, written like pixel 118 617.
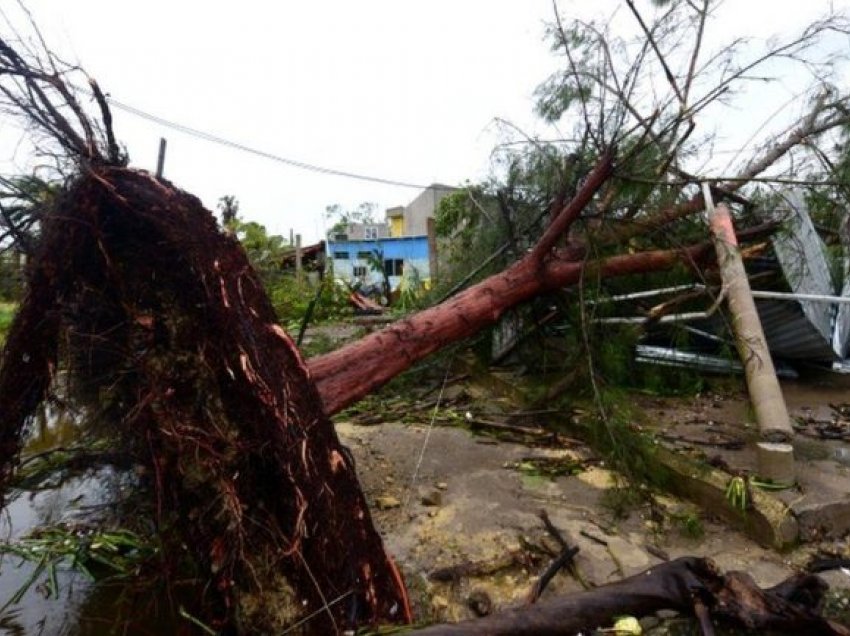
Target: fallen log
pixel 353 371
pixel 688 585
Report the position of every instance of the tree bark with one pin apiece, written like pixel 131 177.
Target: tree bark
pixel 353 371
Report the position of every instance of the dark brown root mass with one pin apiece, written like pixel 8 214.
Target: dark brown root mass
pixel 171 344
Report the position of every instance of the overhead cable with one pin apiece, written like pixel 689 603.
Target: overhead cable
pixel 200 134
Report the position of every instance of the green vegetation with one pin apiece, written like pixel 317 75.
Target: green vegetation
pixel 290 296
pixel 737 493
pixel 689 524
pixel 7 314
pixel 341 218
pixel 95 552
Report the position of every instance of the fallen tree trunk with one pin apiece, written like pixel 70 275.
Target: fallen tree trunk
pixel 351 372
pixel 688 585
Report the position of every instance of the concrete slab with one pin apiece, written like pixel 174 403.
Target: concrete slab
pixel 488 510
pixel 720 428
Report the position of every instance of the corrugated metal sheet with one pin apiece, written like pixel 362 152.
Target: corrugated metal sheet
pixel 791 334
pixel 706 362
pixel 802 256
pixel 794 329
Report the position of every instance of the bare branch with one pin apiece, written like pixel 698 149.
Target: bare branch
pixel 671 79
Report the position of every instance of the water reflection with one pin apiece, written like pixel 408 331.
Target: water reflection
pixel 82 608
pixel 75 500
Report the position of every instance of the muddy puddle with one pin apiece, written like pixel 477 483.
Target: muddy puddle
pixel 64 601
pixel 34 613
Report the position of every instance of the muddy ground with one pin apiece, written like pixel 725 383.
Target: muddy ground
pixel 460 510
pixel 445 497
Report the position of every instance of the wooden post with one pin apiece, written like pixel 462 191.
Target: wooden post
pixel 432 250
pixel 160 160
pixel 765 393
pixel 298 258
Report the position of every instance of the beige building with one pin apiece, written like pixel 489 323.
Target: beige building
pixel 360 232
pixel 412 219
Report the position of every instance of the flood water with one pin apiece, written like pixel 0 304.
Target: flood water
pixel 36 614
pixel 81 608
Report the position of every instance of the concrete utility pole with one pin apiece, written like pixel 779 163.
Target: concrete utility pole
pixel 299 255
pixel 775 455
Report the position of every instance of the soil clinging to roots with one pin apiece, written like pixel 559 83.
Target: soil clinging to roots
pixel 172 346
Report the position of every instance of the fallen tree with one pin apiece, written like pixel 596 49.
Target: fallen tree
pixel 173 347
pixel 355 370
pixel 174 352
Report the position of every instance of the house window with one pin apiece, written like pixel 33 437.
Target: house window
pixel 359 271
pixel 364 256
pixel 370 232
pixel 340 237
pixel 394 267
pixel 341 256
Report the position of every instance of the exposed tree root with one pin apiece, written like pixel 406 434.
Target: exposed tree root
pixel 173 347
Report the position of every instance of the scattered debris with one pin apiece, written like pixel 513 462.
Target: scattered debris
pixel 690 585
pixel 387 502
pixel 480 603
pixel 550 467
pixel 467 569
pixel 364 305
pixel 433 498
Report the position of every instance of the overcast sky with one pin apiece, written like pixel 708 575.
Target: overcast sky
pixel 398 89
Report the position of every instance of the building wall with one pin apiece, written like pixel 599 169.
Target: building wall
pixel 397 226
pixel 357 231
pixel 395 219
pixel 412 250
pixel 423 207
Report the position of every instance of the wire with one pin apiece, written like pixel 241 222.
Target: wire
pixel 200 134
pixel 427 436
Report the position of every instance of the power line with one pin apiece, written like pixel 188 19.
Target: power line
pixel 200 134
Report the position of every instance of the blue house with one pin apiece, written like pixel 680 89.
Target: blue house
pixel 354 260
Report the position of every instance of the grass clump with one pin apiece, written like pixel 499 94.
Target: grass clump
pixel 7 314
pixel 97 553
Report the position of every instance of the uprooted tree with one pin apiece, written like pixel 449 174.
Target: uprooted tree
pixel 171 348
